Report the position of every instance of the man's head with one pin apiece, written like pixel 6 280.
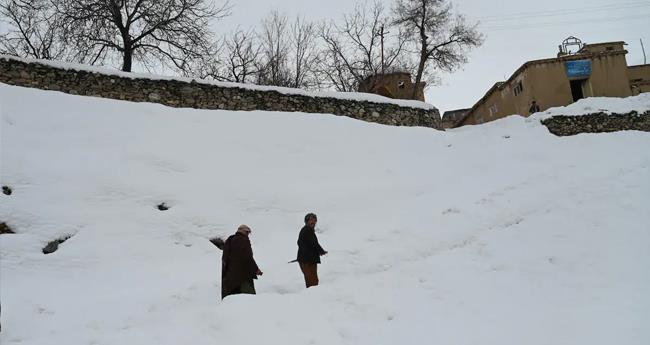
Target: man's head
pixel 534 102
pixel 244 230
pixel 311 219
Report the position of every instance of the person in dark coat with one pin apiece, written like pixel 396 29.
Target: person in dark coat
pixel 309 251
pixel 238 268
pixel 534 108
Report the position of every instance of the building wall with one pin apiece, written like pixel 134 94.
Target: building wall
pixel 639 78
pixel 639 72
pixel 451 117
pixel 177 93
pixel 609 77
pixel 496 105
pixel 397 85
pixel 603 47
pixel 547 83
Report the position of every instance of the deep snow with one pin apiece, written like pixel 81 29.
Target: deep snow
pixel 609 105
pixel 492 234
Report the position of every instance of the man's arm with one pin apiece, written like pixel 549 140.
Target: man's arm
pixel 318 247
pixel 224 258
pixel 251 260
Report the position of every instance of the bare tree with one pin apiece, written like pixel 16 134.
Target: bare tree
pixel 273 66
pixel 441 38
pixel 242 56
pixel 336 66
pixel 353 47
pixel 34 30
pixel 169 32
pixel 334 71
pixel 304 53
pixel 236 60
pixel 289 52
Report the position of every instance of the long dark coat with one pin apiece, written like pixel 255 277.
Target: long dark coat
pixel 309 250
pixel 237 263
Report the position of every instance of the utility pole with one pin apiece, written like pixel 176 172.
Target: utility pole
pixel 381 35
pixel 642 49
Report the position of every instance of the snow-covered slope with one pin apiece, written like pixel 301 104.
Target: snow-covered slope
pixel 494 234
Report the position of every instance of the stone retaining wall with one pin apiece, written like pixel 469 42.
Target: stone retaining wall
pixel 176 93
pixel 597 123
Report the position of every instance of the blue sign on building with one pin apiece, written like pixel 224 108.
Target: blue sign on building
pixel 578 68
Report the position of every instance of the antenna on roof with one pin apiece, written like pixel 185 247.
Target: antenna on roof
pixel 570 41
pixel 643 50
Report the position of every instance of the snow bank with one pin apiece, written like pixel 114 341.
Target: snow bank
pixel 495 234
pixel 609 105
pixel 354 96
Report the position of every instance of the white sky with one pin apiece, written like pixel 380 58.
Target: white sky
pixel 516 31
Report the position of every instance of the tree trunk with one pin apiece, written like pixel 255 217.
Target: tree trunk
pixel 418 77
pixel 128 59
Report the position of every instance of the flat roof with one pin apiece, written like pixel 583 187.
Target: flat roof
pixel 604 43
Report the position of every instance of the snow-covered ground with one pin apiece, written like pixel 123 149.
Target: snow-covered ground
pixel 493 234
pixel 610 105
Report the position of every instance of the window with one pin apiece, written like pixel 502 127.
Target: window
pixel 519 88
pixel 400 85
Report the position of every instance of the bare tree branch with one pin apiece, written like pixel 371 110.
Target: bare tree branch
pixel 34 30
pixel 170 32
pixel 352 47
pixel 442 39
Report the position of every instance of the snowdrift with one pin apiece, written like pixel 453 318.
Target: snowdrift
pixel 608 105
pixel 493 234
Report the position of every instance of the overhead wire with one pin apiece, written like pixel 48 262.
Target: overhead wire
pixel 526 20
pixel 560 12
pixel 567 22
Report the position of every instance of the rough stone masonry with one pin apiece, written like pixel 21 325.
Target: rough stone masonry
pixel 182 94
pixel 562 125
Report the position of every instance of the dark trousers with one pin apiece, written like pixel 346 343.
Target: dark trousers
pixel 247 287
pixel 310 271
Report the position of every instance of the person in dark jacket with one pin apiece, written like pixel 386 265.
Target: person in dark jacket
pixel 309 251
pixel 238 268
pixel 534 108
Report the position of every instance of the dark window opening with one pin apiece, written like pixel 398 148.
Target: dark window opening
pixel 519 88
pixel 576 89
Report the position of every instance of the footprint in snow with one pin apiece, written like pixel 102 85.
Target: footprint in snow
pixel 451 210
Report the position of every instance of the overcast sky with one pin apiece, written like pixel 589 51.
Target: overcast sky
pixel 516 31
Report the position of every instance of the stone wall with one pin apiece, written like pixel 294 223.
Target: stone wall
pixel 177 93
pixel 597 123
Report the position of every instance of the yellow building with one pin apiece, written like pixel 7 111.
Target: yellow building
pixel 594 70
